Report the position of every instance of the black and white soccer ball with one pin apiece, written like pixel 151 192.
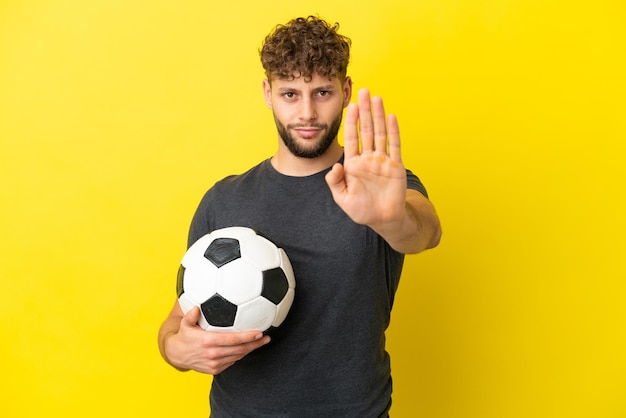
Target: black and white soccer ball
pixel 240 280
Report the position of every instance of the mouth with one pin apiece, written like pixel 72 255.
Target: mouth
pixel 307 132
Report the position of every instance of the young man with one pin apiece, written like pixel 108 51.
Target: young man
pixel 345 216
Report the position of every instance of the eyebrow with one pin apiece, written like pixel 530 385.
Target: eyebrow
pixel 320 88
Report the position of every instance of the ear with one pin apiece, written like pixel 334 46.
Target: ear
pixel 267 93
pixel 347 91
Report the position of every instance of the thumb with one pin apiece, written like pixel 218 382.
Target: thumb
pixel 191 318
pixel 335 178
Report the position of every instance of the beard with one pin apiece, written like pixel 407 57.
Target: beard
pixel 319 147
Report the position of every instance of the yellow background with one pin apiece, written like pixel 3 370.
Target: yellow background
pixel 117 115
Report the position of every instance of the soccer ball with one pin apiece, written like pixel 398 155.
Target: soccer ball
pixel 240 280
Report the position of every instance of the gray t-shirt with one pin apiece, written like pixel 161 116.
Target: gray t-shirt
pixel 328 358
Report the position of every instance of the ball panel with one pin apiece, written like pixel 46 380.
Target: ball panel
pixel 261 252
pixel 237 232
pixel 185 303
pixel 275 285
pixel 208 327
pixel 200 281
pixel 222 251
pixel 239 282
pixel 204 324
pixel 196 251
pixel 257 314
pixel 218 311
pixel 283 308
pixel 179 280
pixel 285 264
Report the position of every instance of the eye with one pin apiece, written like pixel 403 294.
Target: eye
pixel 289 95
pixel 324 93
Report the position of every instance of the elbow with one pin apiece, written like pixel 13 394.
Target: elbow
pixel 427 233
pixel 418 245
pixel 427 241
pixel 435 239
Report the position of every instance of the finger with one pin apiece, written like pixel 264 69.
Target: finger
pixel 394 138
pixel 350 133
pixel 380 130
pixel 231 353
pixel 231 339
pixel 366 124
pixel 230 356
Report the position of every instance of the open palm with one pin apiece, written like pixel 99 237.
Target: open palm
pixel 371 185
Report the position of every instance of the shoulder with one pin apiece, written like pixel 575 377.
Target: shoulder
pixel 253 175
pixel 414 183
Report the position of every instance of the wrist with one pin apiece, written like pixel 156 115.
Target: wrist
pixel 401 231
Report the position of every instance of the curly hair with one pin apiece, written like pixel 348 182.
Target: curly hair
pixel 305 47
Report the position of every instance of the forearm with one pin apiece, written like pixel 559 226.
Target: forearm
pixel 169 328
pixel 417 230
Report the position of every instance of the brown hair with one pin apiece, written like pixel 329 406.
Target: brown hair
pixel 304 47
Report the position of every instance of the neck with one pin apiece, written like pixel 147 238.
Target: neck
pixel 290 165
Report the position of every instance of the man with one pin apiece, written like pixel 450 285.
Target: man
pixel 345 216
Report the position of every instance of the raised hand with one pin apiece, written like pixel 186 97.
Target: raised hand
pixel 370 186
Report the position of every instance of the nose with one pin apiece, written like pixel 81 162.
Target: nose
pixel 307 110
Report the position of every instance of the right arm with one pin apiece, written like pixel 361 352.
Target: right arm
pixel 186 346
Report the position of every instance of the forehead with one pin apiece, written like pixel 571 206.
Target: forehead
pixel 316 82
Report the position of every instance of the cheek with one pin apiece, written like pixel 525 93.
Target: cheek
pixel 334 113
pixel 284 113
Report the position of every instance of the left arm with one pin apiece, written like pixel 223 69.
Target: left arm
pixel 370 186
pixel 419 229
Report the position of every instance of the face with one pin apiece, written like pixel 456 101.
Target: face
pixel 307 114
